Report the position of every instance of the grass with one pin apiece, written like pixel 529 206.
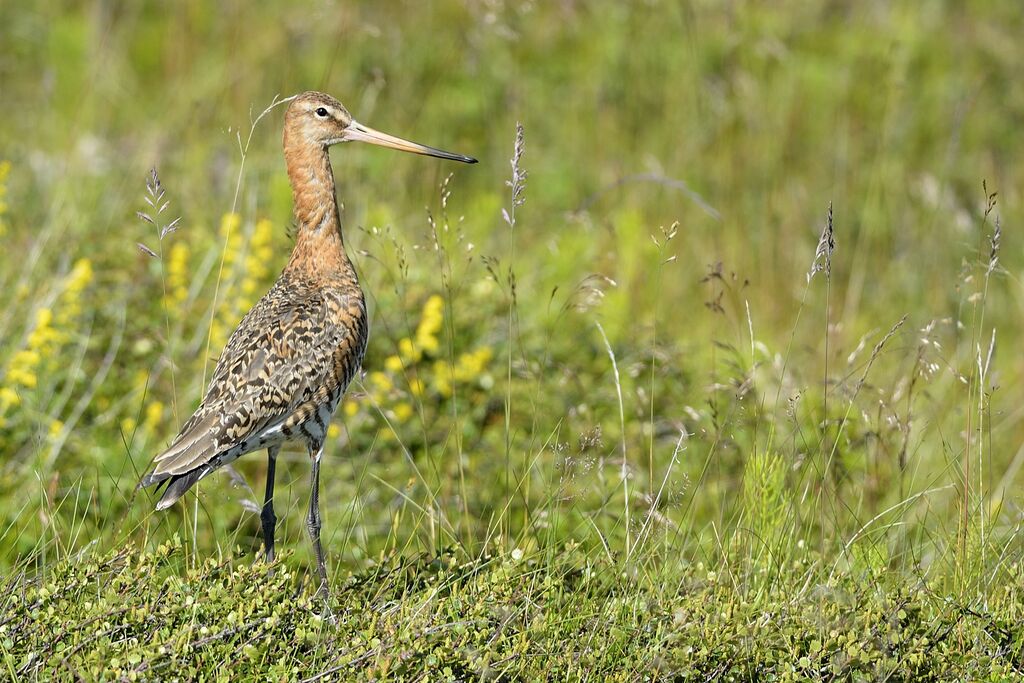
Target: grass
pixel 717 380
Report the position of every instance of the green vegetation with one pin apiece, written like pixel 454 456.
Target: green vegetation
pixel 560 616
pixel 737 395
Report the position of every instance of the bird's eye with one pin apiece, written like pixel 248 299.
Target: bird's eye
pixel 321 112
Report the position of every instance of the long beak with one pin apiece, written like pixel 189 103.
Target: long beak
pixel 358 132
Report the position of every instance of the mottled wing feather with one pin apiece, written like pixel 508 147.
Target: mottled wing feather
pixel 279 364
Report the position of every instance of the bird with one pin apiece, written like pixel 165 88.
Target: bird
pixel 285 367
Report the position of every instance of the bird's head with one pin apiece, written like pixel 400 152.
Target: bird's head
pixel 320 120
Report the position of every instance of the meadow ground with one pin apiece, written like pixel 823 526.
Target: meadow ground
pixel 732 391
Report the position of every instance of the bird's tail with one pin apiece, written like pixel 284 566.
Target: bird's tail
pixel 186 461
pixel 177 484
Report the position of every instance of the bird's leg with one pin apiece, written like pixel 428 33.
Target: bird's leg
pixel 313 521
pixel 267 517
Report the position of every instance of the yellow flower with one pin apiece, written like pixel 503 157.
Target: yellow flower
pixel 428 343
pixel 412 350
pixel 402 411
pixel 380 381
pixel 218 336
pixel 333 432
pixel 230 233
pixel 154 413
pixel 70 303
pixel 260 250
pixel 44 316
pixel 177 273
pixel 433 311
pixel 128 426
pixel 9 398
pixel 430 324
pixel 255 270
pixel 43 335
pixel 229 224
pixel 25 378
pixel 56 426
pixel 416 386
pixel 471 365
pixel 408 350
pixel 249 285
pixel 22 369
pixel 442 378
pixel 80 276
pixel 257 260
pixel 26 357
pixel 350 408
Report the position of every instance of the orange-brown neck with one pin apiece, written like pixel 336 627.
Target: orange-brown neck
pixel 319 250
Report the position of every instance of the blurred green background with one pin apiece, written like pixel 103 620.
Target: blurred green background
pixel 501 416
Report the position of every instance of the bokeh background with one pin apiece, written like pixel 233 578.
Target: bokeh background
pixel 594 375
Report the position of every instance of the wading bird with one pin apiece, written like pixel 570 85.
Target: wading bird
pixel 285 367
